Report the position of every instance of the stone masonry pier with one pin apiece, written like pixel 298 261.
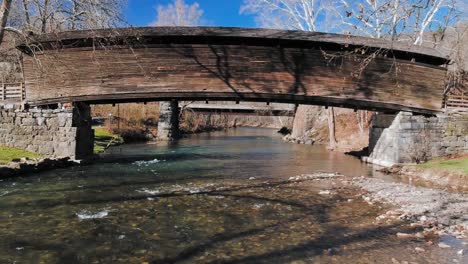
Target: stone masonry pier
pixel 407 138
pixel 53 133
pixel 168 125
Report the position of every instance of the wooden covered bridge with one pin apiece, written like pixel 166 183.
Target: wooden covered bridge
pixel 203 63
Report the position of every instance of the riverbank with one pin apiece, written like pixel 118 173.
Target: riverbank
pixel 17 162
pixel 447 172
pixel 8 155
pixel 103 139
pixel 26 166
pixel 436 219
pixel 432 213
pixel 437 212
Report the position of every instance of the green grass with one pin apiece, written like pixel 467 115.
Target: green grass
pixel 103 139
pixel 458 165
pixel 9 154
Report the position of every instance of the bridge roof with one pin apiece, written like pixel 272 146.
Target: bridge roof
pixel 223 35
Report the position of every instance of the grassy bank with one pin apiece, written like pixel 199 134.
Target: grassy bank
pixel 458 165
pixel 104 139
pixel 9 154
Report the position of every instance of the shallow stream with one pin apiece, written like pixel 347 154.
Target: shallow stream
pixel 221 197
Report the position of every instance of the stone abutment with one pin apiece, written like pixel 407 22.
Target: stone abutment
pixel 406 138
pixel 53 133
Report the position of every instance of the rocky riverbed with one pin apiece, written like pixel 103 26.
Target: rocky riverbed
pixel 438 212
pixel 244 197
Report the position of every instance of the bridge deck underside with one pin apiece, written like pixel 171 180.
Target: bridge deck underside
pixel 232 72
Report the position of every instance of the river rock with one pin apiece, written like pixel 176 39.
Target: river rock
pixel 404 235
pixel 444 245
pixel 418 249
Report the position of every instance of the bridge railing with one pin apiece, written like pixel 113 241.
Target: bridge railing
pixel 456 95
pixel 457 101
pixel 12 92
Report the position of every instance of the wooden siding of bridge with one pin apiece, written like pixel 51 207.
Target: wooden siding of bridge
pixel 256 73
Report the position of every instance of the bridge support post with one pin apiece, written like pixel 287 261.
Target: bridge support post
pixel 168 125
pixel 82 122
pixel 304 120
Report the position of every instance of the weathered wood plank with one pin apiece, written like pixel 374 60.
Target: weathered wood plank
pixel 219 70
pixel 255 37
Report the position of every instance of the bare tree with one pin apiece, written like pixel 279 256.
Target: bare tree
pixel 42 16
pixel 306 15
pixel 179 14
pixel 462 7
pixel 331 128
pixel 426 17
pixel 45 16
pixel 4 11
pixel 394 18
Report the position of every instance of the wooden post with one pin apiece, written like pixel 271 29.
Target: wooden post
pixel 23 91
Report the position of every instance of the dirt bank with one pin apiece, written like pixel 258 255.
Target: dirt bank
pixel 311 127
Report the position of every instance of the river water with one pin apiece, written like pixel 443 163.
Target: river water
pixel 221 197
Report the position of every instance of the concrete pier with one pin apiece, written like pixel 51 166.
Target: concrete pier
pixel 168 126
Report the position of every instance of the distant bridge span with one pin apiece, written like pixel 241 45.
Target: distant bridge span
pixel 202 63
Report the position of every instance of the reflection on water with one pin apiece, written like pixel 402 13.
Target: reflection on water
pixel 211 198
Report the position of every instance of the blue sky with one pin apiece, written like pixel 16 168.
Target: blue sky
pixel 216 12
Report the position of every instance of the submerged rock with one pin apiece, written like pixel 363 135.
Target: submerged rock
pixel 404 235
pixel 418 249
pixel 443 245
pixel 83 215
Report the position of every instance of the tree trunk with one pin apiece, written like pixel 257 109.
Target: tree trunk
pixel 4 11
pixel 44 17
pixel 331 127
pixel 361 120
pixel 26 15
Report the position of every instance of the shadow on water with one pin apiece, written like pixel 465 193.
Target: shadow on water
pixel 311 248
pixel 178 193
